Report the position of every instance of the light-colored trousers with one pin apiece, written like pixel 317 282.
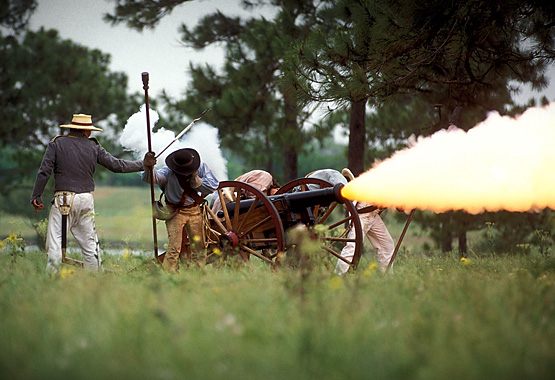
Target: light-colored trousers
pixel 80 222
pixel 380 238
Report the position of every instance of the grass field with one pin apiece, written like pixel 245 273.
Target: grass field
pixel 435 318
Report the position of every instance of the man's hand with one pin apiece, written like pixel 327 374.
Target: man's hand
pixel 37 204
pixel 195 181
pixel 149 161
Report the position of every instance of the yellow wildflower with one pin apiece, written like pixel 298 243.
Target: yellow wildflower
pixel 67 272
pixel 335 283
pixel 217 251
pixel 370 270
pixel 465 261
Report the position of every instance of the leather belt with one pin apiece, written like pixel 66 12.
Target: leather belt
pixel 179 207
pixel 190 205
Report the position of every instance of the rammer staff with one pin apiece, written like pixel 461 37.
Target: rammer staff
pixel 400 240
pixel 183 131
pixel 151 169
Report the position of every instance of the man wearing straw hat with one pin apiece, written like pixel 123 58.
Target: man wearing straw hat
pixel 185 180
pixel 73 158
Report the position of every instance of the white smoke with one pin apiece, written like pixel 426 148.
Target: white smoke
pixel 202 137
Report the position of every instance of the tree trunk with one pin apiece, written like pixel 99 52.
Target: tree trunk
pixel 463 244
pixel 446 233
pixel 446 241
pixel 357 137
pixel 291 166
pixel 269 155
pixel 291 129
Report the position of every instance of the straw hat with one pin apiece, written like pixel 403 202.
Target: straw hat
pixel 81 121
pixel 184 161
pixel 347 173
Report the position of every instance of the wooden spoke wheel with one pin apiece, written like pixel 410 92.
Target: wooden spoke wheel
pixel 341 222
pixel 247 225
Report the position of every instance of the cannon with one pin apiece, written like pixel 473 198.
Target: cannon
pixel 297 202
pixel 253 225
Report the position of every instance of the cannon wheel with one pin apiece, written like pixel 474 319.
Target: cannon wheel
pixel 241 233
pixel 336 235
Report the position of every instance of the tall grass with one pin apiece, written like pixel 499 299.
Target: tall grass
pixel 435 318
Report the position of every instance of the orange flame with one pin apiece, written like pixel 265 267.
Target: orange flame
pixel 502 163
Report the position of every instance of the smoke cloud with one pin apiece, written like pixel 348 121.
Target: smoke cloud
pixel 502 163
pixel 202 137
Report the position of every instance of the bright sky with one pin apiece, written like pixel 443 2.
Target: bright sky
pixel 156 51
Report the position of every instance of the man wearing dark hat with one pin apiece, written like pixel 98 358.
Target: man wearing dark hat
pixel 73 158
pixel 185 180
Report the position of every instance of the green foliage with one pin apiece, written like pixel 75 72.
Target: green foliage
pixel 15 14
pixel 519 232
pixel 325 155
pixel 141 15
pixel 491 233
pixel 479 319
pixel 13 245
pixel 46 79
pixel 42 230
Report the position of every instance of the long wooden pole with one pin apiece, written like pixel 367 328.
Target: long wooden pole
pixel 151 169
pixel 400 240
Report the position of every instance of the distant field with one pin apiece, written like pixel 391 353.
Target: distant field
pixel 124 217
pixel 122 214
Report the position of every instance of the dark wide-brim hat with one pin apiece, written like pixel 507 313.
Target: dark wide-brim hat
pixel 184 161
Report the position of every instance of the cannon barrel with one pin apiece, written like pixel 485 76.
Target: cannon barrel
pixel 296 201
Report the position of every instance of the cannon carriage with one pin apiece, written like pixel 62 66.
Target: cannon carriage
pixel 254 226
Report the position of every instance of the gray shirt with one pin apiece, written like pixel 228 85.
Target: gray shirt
pixel 73 158
pixel 169 183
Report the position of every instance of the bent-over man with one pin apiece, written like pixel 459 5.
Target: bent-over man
pixel 185 180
